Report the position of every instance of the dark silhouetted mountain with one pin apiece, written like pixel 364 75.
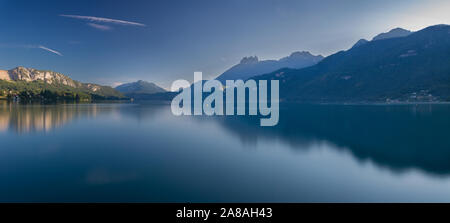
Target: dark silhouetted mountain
pixel 140 87
pixel 251 66
pixel 163 96
pixel 414 67
pixel 360 42
pixel 394 33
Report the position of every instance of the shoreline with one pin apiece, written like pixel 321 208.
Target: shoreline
pixel 387 103
pixel 121 101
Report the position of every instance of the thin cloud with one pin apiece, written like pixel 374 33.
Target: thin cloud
pixel 100 27
pixel 49 50
pixel 31 47
pixel 104 20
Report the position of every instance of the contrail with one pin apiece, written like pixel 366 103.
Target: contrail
pixel 28 46
pixel 49 50
pixel 105 20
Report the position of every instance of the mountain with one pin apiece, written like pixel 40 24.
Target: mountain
pixel 394 33
pixel 30 83
pixel 252 66
pixel 411 68
pixel 140 87
pixel 30 74
pixel 360 42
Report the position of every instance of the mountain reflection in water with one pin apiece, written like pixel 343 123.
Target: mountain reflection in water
pixel 395 136
pixel 35 118
pixel 398 138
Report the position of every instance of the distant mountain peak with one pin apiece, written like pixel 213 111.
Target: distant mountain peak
pixel 398 29
pixel 252 66
pixel 249 60
pixel 393 33
pixel 360 42
pixel 140 87
pixel 407 69
pixel 438 27
pixel 301 55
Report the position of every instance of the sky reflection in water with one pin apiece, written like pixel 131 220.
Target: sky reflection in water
pixel 129 152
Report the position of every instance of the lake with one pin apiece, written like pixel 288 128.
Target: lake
pixel 143 153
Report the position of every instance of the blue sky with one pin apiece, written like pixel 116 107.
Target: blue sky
pixel 172 39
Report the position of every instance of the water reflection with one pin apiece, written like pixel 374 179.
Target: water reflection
pixel 23 119
pixel 399 137
pixel 36 118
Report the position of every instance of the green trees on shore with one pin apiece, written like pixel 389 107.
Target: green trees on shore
pixel 41 91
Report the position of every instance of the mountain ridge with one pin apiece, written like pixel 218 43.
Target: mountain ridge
pixel 30 82
pixel 360 42
pixel 393 33
pixel 252 66
pixel 140 87
pixel 411 68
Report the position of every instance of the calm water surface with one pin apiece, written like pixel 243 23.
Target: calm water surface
pixel 134 153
